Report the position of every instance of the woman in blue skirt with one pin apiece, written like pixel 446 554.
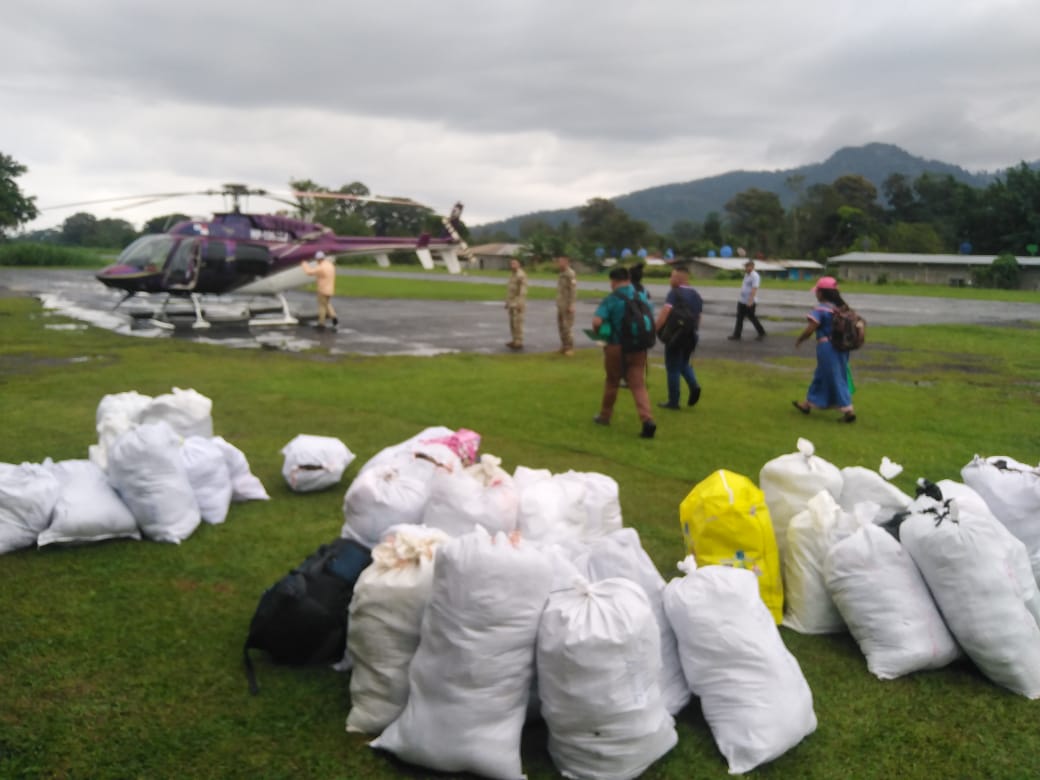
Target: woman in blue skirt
pixel 830 384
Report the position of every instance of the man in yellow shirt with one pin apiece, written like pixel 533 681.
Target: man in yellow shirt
pixel 325 275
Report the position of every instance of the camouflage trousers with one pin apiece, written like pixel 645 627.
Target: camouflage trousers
pixel 516 324
pixel 565 323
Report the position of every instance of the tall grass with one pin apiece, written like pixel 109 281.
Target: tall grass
pixel 123 659
pixel 32 254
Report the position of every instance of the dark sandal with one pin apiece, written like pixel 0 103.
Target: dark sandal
pixel 800 408
pixel 848 417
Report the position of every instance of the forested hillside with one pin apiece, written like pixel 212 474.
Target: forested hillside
pixel 662 207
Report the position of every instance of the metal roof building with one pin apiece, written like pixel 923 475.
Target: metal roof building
pixel 953 270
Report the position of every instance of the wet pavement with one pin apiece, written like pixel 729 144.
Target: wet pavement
pixel 407 327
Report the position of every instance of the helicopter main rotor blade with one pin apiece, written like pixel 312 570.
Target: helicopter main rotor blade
pixel 367 198
pixel 152 198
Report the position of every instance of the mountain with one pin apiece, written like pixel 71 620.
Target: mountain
pixel 664 205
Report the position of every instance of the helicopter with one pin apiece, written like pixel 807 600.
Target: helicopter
pixel 239 253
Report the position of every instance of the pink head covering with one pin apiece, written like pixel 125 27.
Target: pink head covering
pixel 825 283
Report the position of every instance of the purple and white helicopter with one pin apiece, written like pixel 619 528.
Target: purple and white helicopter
pixel 237 253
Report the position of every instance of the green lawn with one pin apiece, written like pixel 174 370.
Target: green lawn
pixel 123 659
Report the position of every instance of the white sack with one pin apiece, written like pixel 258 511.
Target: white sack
pixel 116 414
pixel 314 462
pixel 808 608
pixel 408 446
pixel 789 481
pixel 28 493
pixel 552 510
pixel 861 484
pixel 145 468
pixel 88 508
pixel 602 503
pixel 245 486
pixel 394 491
pixel 208 474
pixel 887 606
pixel 481 495
pixel 383 629
pixel 1012 492
pixel 981 579
pixel 598 664
pixel 752 691
pixel 621 554
pixel 188 412
pixel 470 679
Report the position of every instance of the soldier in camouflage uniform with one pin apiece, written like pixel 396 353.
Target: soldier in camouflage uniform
pixel 516 302
pixel 566 296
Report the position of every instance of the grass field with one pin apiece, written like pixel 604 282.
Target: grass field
pixel 123 659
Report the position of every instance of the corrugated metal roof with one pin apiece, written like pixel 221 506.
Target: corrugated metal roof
pixel 922 259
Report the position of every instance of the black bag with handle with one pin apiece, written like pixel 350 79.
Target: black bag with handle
pixel 302 618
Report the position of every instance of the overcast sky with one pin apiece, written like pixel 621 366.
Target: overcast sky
pixel 511 107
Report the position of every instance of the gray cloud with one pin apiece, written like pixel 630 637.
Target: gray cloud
pixel 511 107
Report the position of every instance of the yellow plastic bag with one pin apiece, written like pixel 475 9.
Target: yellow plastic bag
pixel 725 522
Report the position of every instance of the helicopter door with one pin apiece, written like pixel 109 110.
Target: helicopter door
pixel 182 269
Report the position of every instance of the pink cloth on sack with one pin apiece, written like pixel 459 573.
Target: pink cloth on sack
pixel 464 443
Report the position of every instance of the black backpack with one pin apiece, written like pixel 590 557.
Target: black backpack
pixel 637 325
pixel 302 618
pixel 680 328
pixel 848 330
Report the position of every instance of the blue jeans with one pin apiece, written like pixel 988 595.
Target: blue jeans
pixel 677 364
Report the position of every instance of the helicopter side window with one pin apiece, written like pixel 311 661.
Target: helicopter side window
pixel 148 253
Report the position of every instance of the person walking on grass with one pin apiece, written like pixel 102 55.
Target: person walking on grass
pixel 516 303
pixel 677 324
pixel 325 275
pixel 746 302
pixel 830 383
pixel 617 363
pixel 566 298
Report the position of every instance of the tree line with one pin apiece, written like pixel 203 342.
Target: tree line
pixel 930 214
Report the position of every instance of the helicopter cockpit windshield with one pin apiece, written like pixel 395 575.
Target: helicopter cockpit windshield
pixel 148 253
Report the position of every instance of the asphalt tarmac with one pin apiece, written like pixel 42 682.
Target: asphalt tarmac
pixel 406 327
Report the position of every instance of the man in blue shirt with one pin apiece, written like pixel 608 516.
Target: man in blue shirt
pixel 677 352
pixel 618 364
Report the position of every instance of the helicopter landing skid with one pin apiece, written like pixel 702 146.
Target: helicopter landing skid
pixel 286 317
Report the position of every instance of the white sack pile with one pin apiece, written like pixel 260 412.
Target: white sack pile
pixel 314 462
pixel 752 691
pixel 470 678
pixel 385 618
pixel 598 664
pixel 983 583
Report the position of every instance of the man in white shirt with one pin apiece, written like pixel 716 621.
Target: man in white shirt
pixel 746 303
